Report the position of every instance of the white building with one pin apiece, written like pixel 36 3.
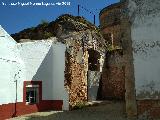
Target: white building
pixel 146 44
pixel 31 76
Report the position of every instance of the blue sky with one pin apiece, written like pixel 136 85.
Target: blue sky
pixel 16 18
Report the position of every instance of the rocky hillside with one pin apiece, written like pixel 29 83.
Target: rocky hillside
pixel 62 25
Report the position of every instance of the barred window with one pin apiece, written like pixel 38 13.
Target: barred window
pixel 32 94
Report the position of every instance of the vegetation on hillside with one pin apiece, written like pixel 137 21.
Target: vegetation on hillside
pixel 46 30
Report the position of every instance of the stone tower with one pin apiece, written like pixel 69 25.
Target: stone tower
pixel 118 73
pixel 113 79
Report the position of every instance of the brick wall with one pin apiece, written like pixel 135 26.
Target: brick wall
pixel 122 38
pixel 16 109
pixel 110 19
pixel 75 81
pixel 150 108
pixel 113 83
pixel 113 77
pixel 78 63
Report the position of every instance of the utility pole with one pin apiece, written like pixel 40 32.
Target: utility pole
pixel 15 77
pixel 16 100
pixel 78 9
pixel 94 19
pixel 87 10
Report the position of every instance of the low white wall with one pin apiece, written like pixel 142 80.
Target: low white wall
pixel 45 61
pixel 38 61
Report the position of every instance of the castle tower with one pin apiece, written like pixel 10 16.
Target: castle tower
pixel 110 22
pixel 113 79
pixel 118 71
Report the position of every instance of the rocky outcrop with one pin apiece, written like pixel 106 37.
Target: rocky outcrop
pixel 63 24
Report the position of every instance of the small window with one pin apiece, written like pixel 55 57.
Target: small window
pixel 32 94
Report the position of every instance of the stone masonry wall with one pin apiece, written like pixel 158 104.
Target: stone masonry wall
pixel 76 82
pixel 113 77
pixel 125 44
pixel 148 108
pixel 76 71
pixel 110 19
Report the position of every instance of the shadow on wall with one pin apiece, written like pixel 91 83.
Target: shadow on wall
pixel 99 92
pixel 46 102
pixel 112 83
pixel 103 74
pixel 45 74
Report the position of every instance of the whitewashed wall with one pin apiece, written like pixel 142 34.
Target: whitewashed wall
pixel 145 32
pixel 11 68
pixel 39 60
pixel 45 61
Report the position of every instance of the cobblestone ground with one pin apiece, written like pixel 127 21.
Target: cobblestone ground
pixel 104 111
